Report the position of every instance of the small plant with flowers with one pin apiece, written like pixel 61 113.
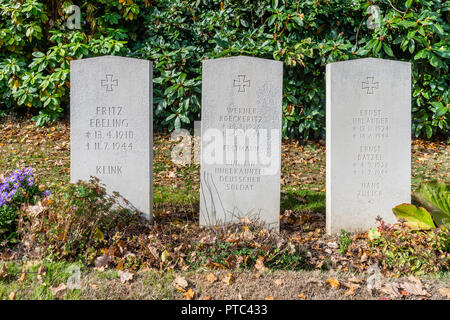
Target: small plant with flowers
pixel 81 220
pixel 16 190
pixel 401 250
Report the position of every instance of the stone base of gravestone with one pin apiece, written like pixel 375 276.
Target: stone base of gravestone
pixel 111 127
pixel 368 147
pixel 241 141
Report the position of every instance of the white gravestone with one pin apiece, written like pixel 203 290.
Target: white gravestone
pixel 241 141
pixel 111 128
pixel 368 142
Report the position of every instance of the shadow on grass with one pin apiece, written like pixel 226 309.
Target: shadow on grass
pixel 303 201
pixel 183 203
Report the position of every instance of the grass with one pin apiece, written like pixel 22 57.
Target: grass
pixel 153 285
pixel 174 196
pixel 34 280
pixel 303 168
pixel 43 277
pixel 46 149
pixel 303 201
pixel 176 188
pixel 429 162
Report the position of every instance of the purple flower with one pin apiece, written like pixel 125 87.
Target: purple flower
pixel 30 181
pixel 46 193
pixel 11 185
pixel 15 176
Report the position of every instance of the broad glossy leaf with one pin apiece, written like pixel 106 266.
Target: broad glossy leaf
pixel 417 218
pixel 436 198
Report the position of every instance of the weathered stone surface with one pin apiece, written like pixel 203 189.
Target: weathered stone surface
pixel 368 147
pixel 111 126
pixel 241 140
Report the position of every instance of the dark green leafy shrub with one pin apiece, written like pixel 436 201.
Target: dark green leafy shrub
pixel 178 34
pixel 435 197
pixel 36 49
pixel 305 35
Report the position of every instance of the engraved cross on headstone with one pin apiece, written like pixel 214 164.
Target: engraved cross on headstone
pixel 369 85
pixel 109 82
pixel 241 83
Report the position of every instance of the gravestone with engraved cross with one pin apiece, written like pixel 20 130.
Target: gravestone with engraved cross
pixel 111 126
pixel 241 141
pixel 368 146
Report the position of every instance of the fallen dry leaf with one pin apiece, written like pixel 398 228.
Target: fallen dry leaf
pixel 445 292
pixel 93 286
pixel 172 174
pixel 165 256
pixel 349 292
pixel 373 282
pixel 391 289
pixel 246 220
pixel 125 276
pixel 355 280
pixel 351 285
pixel 211 278
pixel 278 282
pixel 333 283
pixel 364 257
pixel 259 265
pixel 228 279
pixel 42 271
pixel 415 287
pixel 247 235
pixel 59 290
pixel 36 209
pixel 23 275
pixel 404 293
pixel 315 280
pixel 180 283
pixel 189 295
pixel 8 255
pixel 102 261
pixel 3 271
pixel 333 245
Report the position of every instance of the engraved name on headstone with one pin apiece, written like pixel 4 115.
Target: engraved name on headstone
pixel 368 147
pixel 111 127
pixel 241 141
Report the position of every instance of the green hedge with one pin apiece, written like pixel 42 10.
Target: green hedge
pixel 36 49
